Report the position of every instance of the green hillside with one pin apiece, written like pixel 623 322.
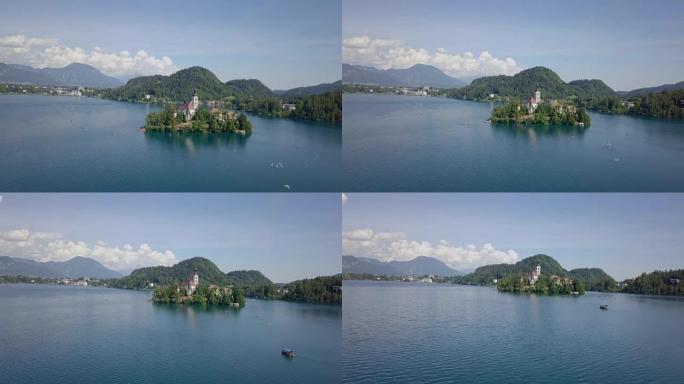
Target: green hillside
pixel 208 272
pixel 594 279
pixel 523 85
pixel 485 275
pixel 181 85
pixel 322 289
pixel 656 283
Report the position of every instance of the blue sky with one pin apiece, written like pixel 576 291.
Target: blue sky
pixel 628 44
pixel 625 234
pixel 285 236
pixel 284 44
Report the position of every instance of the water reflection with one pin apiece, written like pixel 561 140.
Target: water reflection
pixel 532 132
pixel 190 142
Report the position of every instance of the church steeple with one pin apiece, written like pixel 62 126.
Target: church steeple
pixel 195 99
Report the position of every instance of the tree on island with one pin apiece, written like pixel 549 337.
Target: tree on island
pixel 170 119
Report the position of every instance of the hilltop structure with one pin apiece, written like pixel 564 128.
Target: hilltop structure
pixel 188 109
pixel 535 274
pixel 533 102
pixel 191 285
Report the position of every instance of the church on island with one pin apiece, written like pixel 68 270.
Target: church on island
pixel 533 102
pixel 190 286
pixel 188 109
pixel 535 274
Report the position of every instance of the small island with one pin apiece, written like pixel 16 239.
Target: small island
pixel 191 292
pixel 192 117
pixel 538 111
pixel 534 282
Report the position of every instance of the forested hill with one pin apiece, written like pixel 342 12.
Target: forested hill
pixel 322 289
pixel 181 85
pixel 298 93
pixel 208 273
pixel 656 283
pixel 523 85
pixel 595 279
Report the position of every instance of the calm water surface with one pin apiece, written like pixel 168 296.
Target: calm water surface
pixel 403 143
pixel 53 143
pixel 413 333
pixel 78 335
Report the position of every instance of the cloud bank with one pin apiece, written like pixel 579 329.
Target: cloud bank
pixel 44 246
pixel 396 246
pixel 385 54
pixel 48 52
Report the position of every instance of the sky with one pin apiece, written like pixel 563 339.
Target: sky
pixel 285 45
pixel 285 236
pixel 627 44
pixel 624 234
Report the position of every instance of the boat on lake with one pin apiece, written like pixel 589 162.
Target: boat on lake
pixel 604 307
pixel 288 353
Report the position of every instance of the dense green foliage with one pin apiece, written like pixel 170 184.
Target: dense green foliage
pixel 202 121
pixel 668 104
pixel 525 83
pixel 643 91
pixel 202 295
pixel 294 94
pixel 485 275
pixel 562 113
pixel 594 279
pixel 663 102
pixel 545 285
pixel 208 272
pixel 269 107
pixel 325 107
pixel 322 289
pixel 181 85
pixel 656 283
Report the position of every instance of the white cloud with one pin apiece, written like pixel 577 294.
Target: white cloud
pixel 47 52
pixel 345 198
pixel 396 246
pixel 385 54
pixel 43 246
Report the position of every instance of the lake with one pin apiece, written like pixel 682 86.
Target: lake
pixel 52 143
pixel 422 333
pixel 66 334
pixel 407 143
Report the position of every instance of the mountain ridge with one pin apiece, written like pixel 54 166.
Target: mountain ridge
pixel 72 75
pixel 73 268
pixel 418 75
pixel 419 266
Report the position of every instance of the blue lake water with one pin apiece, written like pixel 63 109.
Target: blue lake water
pixel 404 143
pixel 53 143
pixel 420 333
pixel 62 334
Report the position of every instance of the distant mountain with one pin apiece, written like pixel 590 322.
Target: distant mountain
pixel 181 85
pixel 208 272
pixel 297 93
pixel 644 91
pixel 594 279
pixel 73 268
pixel 73 75
pixel 420 266
pixel 523 85
pixel 419 75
